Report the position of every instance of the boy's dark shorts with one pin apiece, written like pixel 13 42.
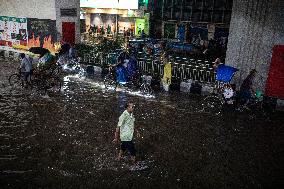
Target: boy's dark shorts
pixel 128 145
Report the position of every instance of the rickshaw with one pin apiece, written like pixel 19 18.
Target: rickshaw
pixel 223 92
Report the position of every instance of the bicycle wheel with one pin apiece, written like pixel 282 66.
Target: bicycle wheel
pixel 212 104
pixel 15 80
pixel 146 89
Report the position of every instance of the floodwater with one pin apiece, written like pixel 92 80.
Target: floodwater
pixel 64 140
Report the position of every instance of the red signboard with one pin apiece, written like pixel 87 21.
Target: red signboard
pixel 275 81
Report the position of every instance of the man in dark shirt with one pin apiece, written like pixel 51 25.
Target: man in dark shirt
pixel 246 89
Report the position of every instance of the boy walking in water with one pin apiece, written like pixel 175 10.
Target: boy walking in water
pixel 125 130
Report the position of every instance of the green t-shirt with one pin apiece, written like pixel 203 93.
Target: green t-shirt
pixel 126 125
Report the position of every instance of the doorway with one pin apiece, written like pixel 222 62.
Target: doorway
pixel 68 32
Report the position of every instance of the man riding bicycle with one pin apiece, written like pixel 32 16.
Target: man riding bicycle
pixel 26 68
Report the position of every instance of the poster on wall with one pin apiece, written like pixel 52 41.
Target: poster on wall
pixel 211 28
pixel 103 23
pixel 169 30
pixel 181 33
pixel 211 31
pixel 42 33
pixel 13 32
pixel 139 26
pixel 198 32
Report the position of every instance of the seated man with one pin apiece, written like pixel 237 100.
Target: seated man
pixel 246 89
pixel 26 68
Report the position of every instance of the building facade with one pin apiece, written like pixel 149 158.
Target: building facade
pixel 172 13
pixel 28 23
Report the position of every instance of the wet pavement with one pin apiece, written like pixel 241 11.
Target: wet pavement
pixel 64 140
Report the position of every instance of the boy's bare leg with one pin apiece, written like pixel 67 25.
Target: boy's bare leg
pixel 119 155
pixel 133 159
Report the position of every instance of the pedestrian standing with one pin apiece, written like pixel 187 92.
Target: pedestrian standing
pixel 167 77
pixel 26 69
pixel 72 52
pixel 125 130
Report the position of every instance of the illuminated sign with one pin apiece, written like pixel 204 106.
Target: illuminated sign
pixel 139 26
pixel 115 4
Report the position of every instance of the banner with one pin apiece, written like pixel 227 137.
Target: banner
pixel 169 30
pixel 139 26
pixel 211 31
pixel 42 33
pixel 13 31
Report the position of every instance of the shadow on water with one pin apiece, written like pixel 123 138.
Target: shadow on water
pixel 64 140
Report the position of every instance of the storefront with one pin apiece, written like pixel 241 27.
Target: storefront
pixel 115 17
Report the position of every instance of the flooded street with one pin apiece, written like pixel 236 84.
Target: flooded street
pixel 64 140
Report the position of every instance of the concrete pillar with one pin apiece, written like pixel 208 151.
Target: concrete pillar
pixel 88 21
pixel 67 4
pixel 256 26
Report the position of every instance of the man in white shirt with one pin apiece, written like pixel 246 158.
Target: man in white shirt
pixel 26 68
pixel 125 130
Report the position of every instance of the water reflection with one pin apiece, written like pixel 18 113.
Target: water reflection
pixel 122 100
pixel 69 134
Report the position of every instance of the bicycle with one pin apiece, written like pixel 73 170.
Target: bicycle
pixel 222 92
pixel 42 81
pixel 146 88
pixel 214 102
pixel 46 81
pixel 133 82
pixel 16 80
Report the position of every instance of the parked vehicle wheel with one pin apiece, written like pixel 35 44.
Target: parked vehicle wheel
pixel 212 104
pixel 15 80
